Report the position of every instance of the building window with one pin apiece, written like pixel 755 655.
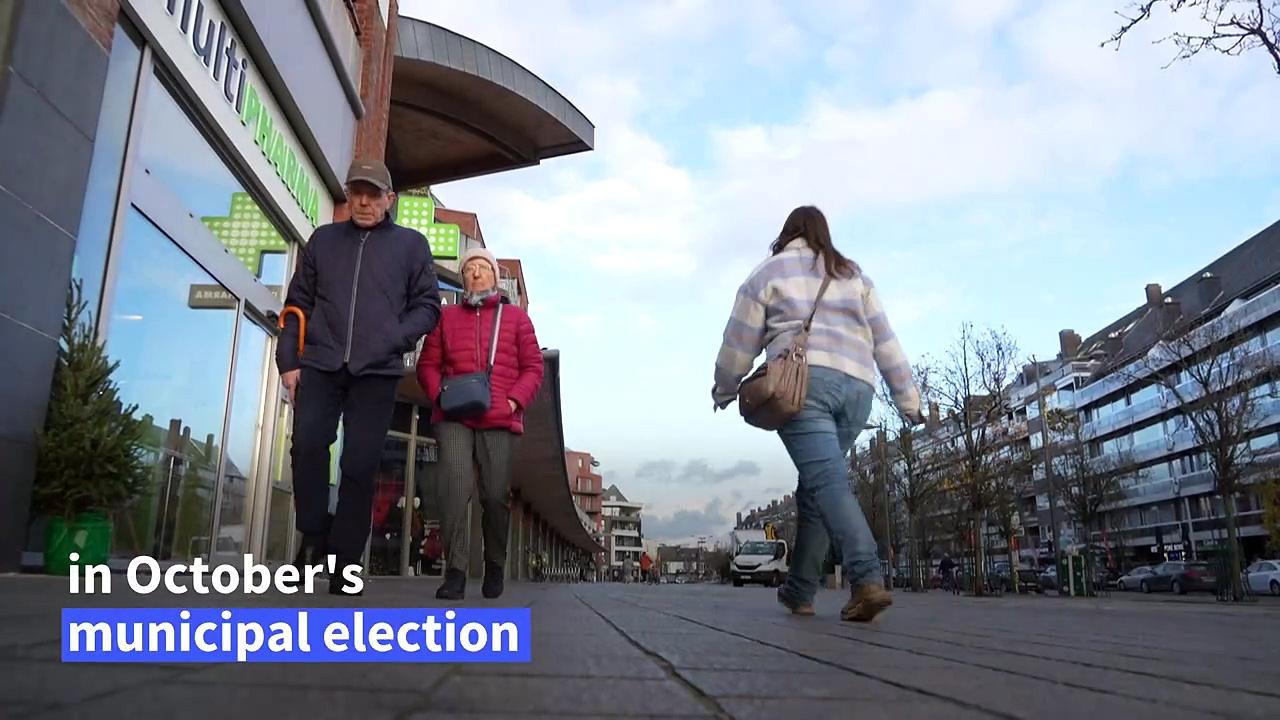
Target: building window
pixel 174 152
pixel 102 192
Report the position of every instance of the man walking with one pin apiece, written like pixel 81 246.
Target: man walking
pixel 368 290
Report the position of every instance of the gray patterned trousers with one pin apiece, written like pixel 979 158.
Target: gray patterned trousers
pixel 462 450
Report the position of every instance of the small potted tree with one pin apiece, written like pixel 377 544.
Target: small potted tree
pixel 91 456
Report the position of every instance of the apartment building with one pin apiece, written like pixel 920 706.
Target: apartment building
pixel 622 530
pixel 1171 508
pixel 1168 506
pixel 587 486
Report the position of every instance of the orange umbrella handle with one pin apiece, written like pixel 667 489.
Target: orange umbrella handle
pixel 302 323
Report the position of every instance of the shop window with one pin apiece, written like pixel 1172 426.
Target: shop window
pixel 103 188
pixel 174 152
pixel 182 403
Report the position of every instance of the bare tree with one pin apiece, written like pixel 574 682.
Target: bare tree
pixel 1010 479
pixel 910 479
pixel 868 487
pixel 973 387
pixel 1230 27
pixel 1215 375
pixel 1086 485
pixel 1271 514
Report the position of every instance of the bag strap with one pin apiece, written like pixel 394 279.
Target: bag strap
pixel 493 341
pixel 803 338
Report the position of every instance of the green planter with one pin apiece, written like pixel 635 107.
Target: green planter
pixel 88 534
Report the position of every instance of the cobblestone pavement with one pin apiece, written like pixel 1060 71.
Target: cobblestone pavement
pixel 697 651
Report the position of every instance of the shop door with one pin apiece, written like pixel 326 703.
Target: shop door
pixel 193 284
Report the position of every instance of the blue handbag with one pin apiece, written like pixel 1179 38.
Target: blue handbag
pixel 466 397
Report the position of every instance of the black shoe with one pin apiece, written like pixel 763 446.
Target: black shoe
pixel 311 552
pixel 454 586
pixel 492 587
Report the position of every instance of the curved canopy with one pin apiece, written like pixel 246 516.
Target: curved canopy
pixel 542 478
pixel 460 109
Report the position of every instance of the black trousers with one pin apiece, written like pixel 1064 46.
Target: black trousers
pixel 463 451
pixel 365 404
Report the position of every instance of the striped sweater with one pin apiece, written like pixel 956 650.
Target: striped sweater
pixel 850 333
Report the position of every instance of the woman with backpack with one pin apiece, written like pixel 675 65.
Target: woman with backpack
pixel 810 303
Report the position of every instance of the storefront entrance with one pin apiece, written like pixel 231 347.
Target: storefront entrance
pixel 192 275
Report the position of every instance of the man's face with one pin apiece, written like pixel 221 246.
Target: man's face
pixel 368 203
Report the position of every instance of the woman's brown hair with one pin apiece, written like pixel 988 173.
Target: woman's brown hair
pixel 809 223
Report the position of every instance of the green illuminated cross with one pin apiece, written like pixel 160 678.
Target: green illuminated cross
pixel 247 232
pixel 419 213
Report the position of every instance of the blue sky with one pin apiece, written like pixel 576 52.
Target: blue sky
pixel 983 161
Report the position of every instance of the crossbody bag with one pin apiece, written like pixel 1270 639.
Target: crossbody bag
pixel 465 397
pixel 776 391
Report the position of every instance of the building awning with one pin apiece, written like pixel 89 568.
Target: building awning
pixel 460 109
pixel 541 476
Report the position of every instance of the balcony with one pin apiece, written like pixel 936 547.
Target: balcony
pixel 1248 314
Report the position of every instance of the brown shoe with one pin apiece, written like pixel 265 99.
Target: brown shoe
pixel 805 609
pixel 867 602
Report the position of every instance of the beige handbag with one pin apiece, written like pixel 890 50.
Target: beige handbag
pixel 776 391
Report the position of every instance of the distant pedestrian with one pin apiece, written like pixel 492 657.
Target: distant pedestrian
pixel 485 325
pixel 850 341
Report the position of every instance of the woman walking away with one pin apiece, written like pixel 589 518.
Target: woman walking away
pixel 850 339
pixel 478 414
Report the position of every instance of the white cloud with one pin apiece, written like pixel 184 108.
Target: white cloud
pixel 975 138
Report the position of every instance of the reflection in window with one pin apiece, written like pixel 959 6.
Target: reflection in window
pixel 177 155
pixel 94 237
pixel 174 362
pixel 242 437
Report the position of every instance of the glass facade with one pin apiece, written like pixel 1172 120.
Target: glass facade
pixel 174 365
pixel 102 191
pixel 195 356
pixel 173 151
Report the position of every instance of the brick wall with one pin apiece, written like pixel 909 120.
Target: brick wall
pixel 378 54
pixel 378 44
pixel 97 16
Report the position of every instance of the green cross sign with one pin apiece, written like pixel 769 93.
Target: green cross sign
pixel 419 213
pixel 247 233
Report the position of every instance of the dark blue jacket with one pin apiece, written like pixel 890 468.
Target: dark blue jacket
pixel 369 295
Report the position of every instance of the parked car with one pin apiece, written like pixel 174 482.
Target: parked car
pixel 1132 580
pixel 1029 580
pixel 1181 576
pixel 1263 577
pixel 1049 578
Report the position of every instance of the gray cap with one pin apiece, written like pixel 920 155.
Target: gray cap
pixel 371 171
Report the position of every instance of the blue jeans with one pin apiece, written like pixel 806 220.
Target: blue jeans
pixel 818 439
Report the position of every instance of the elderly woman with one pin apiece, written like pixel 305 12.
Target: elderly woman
pixel 483 325
pixel 807 286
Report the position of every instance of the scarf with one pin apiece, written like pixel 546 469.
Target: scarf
pixel 477 299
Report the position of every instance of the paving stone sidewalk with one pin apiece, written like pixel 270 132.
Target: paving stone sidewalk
pixel 611 650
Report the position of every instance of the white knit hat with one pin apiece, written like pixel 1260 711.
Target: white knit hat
pixel 481 253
